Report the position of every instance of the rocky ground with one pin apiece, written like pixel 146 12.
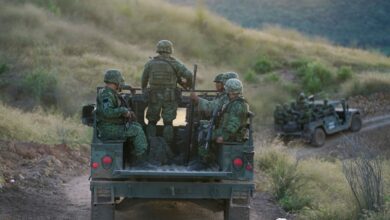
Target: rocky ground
pixel 33 178
pixel 372 105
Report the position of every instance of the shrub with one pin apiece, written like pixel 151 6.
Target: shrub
pixel 286 180
pixel 41 86
pixel 344 73
pixel 263 65
pixel 296 64
pixel 315 77
pixel 250 76
pixel 272 77
pixel 3 68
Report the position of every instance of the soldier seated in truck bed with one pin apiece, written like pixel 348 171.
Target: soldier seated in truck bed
pixel 115 121
pixel 230 125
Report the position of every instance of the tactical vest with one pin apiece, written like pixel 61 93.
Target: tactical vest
pixel 162 74
pixel 99 114
pixel 241 133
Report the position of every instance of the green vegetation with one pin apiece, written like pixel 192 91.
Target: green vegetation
pixel 344 73
pixel 286 180
pixel 41 85
pixel 55 52
pixel 315 77
pixel 263 65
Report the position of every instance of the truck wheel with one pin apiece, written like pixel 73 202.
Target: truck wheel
pixel 102 212
pixel 235 212
pixel 356 123
pixel 318 138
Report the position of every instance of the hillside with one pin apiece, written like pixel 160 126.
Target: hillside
pixel 355 23
pixel 54 53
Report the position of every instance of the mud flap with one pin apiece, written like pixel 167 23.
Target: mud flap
pixel 103 195
pixel 238 207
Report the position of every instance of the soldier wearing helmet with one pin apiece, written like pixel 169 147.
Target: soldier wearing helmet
pixel 230 126
pixel 159 83
pixel 207 106
pixel 111 117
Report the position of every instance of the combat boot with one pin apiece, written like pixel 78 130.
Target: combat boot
pixel 168 133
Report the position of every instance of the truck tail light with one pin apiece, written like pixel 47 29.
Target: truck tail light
pixel 106 160
pixel 95 165
pixel 238 163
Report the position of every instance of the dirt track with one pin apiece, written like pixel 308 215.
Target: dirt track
pixel 60 192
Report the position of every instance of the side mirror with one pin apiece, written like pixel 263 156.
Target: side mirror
pixel 87 114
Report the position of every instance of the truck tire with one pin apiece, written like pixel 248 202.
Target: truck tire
pixel 235 212
pixel 356 123
pixel 102 212
pixel 318 137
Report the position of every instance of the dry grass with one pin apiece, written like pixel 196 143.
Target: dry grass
pixel 75 41
pixel 41 127
pixel 324 183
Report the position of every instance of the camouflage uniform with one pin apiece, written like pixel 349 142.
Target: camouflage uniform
pixel 162 73
pixel 278 115
pixel 231 123
pixel 110 121
pixel 221 98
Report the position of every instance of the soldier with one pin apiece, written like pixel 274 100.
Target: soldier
pixel 221 98
pixel 162 73
pixel 112 117
pixel 278 115
pixel 302 102
pixel 230 126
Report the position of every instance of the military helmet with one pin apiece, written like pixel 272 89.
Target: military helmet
pixel 164 46
pixel 219 78
pixel 114 76
pixel 229 75
pixel 233 86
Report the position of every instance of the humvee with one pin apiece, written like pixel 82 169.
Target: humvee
pixel 341 118
pixel 229 188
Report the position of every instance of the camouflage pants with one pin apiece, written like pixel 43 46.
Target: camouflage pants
pixel 168 111
pixel 134 132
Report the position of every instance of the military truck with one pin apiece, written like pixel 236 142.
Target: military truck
pixel 227 188
pixel 336 117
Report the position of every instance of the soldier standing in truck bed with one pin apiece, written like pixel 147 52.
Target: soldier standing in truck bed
pixel 112 115
pixel 163 73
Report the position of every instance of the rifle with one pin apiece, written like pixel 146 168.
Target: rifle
pixel 191 119
pixel 211 126
pixel 129 120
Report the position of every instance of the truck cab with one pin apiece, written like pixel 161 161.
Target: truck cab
pixel 228 187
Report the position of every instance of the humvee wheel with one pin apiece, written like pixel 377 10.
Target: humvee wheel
pixel 356 123
pixel 318 137
pixel 235 212
pixel 102 212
